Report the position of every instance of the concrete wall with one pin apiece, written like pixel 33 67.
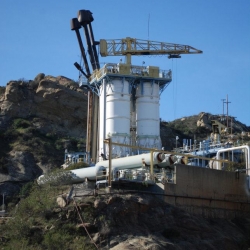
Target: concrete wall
pixel 209 192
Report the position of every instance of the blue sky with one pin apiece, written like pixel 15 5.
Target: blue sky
pixel 36 37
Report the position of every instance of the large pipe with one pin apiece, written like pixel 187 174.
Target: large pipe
pixel 94 43
pixel 74 176
pixel 168 161
pixel 135 161
pixel 99 170
pixel 247 156
pixel 85 18
pixel 90 173
pixel 180 160
pixel 75 25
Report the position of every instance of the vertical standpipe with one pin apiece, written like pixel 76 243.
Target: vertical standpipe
pixel 147 115
pixel 115 116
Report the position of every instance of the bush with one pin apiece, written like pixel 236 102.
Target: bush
pixel 26 189
pixel 2 90
pixel 20 123
pixel 37 225
pixel 77 166
pixel 55 239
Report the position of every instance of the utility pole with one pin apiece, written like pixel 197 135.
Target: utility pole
pixel 223 101
pixel 227 102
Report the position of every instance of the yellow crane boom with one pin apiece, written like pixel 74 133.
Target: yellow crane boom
pixel 132 46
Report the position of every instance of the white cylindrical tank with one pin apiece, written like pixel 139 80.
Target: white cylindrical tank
pixel 135 161
pixel 132 123
pixel 118 115
pixel 147 115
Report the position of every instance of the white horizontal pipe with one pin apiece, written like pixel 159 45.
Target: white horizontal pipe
pixel 134 161
pixel 76 175
pixel 90 173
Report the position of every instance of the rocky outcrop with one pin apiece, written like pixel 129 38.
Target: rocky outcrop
pixel 57 101
pixel 54 106
pixel 204 120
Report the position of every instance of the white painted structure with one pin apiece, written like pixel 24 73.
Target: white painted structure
pixel 128 114
pixel 100 169
pixel 244 148
pixel 147 115
pixel 135 161
pixel 118 118
pixel 73 176
pixel 114 116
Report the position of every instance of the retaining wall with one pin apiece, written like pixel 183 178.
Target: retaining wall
pixel 209 192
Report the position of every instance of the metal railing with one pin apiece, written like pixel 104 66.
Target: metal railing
pixel 142 71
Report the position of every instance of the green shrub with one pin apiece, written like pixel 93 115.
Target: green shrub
pixel 2 90
pixel 57 239
pixel 26 189
pixel 20 123
pixel 77 166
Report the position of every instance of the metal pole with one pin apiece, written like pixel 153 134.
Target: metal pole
pixel 94 130
pixel 227 102
pixel 151 162
pixel 89 123
pixel 231 125
pixel 227 111
pixel 223 101
pixel 110 160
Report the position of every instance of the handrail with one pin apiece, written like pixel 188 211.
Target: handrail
pixel 247 156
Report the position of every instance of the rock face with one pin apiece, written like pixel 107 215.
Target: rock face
pixel 22 168
pixel 56 100
pixel 54 106
pixel 204 120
